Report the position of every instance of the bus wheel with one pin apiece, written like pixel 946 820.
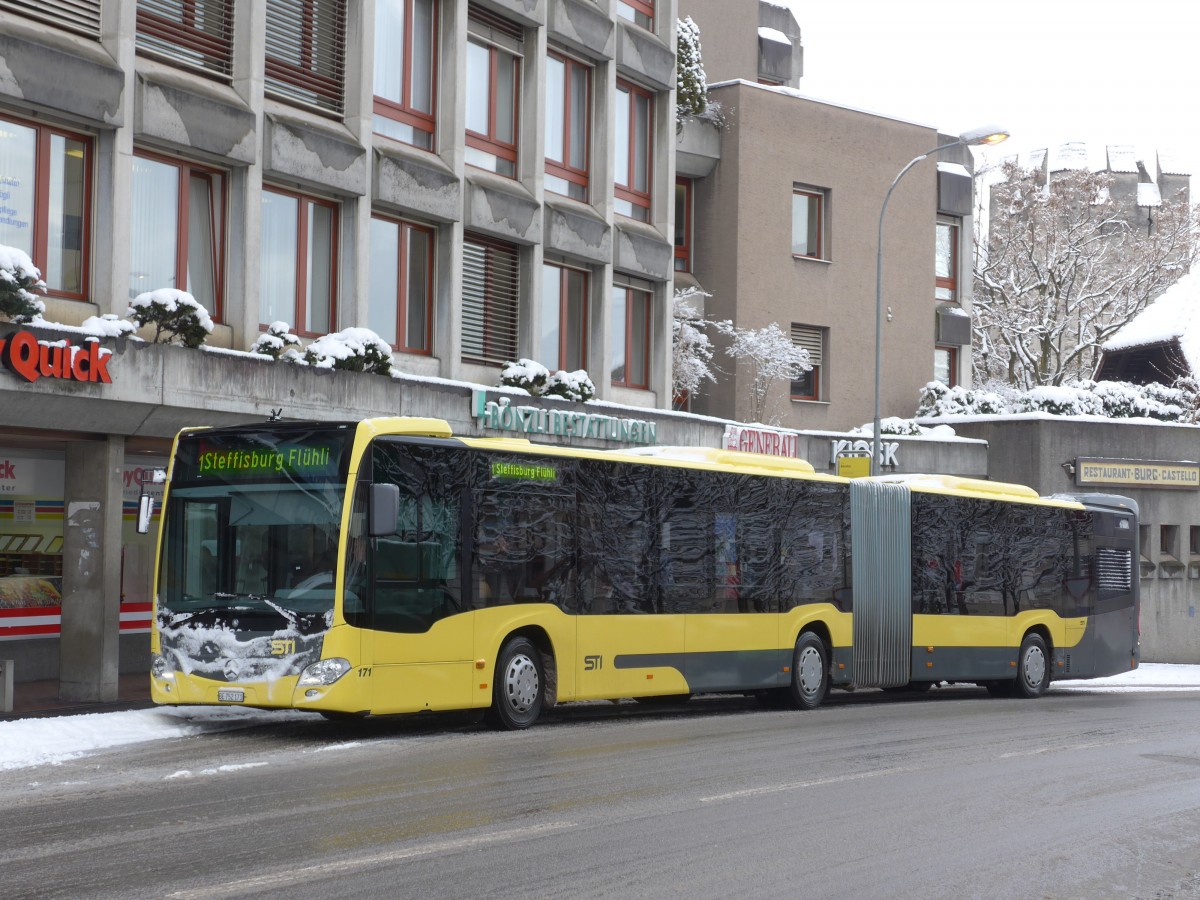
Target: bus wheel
pixel 519 687
pixel 1033 667
pixel 810 672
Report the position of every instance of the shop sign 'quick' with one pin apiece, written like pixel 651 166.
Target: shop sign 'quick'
pixel 30 359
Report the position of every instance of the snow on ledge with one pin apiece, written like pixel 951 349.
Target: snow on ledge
pixel 774 35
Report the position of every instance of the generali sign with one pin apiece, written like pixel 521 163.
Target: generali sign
pixel 30 359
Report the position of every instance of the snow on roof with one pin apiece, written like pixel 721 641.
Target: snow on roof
pixel 774 34
pixel 1122 158
pixel 1170 164
pixel 1174 315
pixel 1037 158
pixel 1069 157
pixel 1148 194
pixel 953 169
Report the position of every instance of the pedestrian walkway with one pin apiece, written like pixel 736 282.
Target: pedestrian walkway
pixel 34 699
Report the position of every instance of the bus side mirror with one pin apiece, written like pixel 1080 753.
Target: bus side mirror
pixel 385 509
pixel 145 513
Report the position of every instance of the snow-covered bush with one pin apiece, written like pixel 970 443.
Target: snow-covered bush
pixel 351 350
pixel 278 337
pixel 1111 399
pixel 174 314
pixel 535 379
pixel 575 386
pixel 108 325
pixel 526 374
pixel 19 279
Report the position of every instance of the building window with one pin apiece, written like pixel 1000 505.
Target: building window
pixel 80 16
pixel 568 118
pixel 635 109
pixel 196 33
pixel 405 64
pixel 493 85
pixel 299 262
pixel 491 295
pixel 45 199
pixel 946 261
pixel 683 224
pixel 808 223
pixel 306 52
pixel 809 385
pixel 177 229
pixel 630 337
pixel 563 340
pixel 401 287
pixel 945 365
pixel 640 12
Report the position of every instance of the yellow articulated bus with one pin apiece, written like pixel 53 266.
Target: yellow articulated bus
pixel 385 566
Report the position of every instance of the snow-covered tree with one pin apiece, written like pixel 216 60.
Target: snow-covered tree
pixel 771 357
pixel 1062 270
pixel 19 279
pixel 691 349
pixel 691 85
pixel 174 314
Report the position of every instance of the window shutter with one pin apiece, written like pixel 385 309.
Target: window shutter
pixel 196 33
pixel 810 340
pixel 82 16
pixel 306 52
pixel 491 293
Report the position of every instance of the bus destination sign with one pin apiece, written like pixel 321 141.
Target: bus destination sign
pixel 248 459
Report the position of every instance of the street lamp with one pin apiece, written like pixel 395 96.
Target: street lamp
pixel 973 138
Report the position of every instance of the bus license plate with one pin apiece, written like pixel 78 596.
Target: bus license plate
pixel 231 696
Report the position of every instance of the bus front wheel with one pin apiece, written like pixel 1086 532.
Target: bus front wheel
pixel 1033 667
pixel 810 672
pixel 519 687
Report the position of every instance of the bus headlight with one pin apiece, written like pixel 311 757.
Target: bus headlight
pixel 159 667
pixel 324 672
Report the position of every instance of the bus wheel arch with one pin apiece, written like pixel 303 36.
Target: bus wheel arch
pixel 1033 663
pixel 524 681
pixel 809 683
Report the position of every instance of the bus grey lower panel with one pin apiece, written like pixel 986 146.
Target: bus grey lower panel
pixel 882 566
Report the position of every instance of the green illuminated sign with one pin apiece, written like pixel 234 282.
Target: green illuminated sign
pixel 524 471
pixel 240 457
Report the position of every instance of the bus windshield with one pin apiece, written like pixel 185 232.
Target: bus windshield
pixel 252 527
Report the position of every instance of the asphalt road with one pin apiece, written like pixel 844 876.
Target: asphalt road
pixel 953 795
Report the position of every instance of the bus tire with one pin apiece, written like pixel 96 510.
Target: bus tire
pixel 810 672
pixel 1033 667
pixel 519 687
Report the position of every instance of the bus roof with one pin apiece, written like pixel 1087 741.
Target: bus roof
pixel 979 488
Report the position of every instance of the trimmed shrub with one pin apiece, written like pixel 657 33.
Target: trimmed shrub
pixel 174 314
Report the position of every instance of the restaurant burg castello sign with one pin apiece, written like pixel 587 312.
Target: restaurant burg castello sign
pixel 30 359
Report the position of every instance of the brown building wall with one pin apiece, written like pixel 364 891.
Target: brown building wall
pixel 772 141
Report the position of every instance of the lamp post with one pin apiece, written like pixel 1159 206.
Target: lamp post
pixel 975 137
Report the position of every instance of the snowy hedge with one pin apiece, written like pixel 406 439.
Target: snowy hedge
pixel 534 378
pixel 277 339
pixel 1110 399
pixel 351 350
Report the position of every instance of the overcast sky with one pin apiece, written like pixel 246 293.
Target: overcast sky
pixel 1051 71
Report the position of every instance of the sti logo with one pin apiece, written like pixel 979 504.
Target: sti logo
pixel 28 358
